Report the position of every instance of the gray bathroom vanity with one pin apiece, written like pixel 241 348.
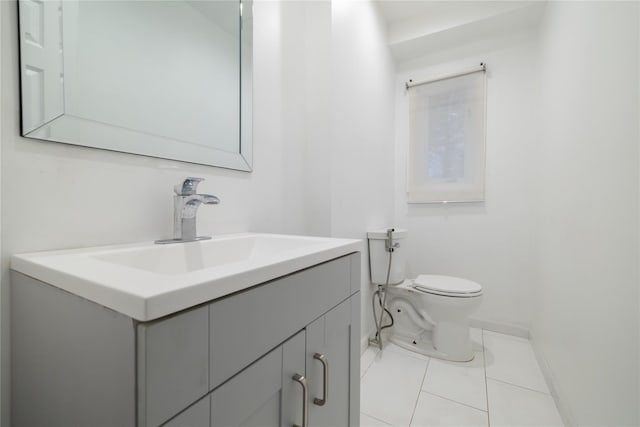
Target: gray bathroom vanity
pixel 281 352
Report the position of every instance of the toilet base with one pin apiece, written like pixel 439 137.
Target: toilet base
pixel 415 331
pixel 422 343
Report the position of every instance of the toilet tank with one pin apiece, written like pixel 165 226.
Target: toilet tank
pixel 379 257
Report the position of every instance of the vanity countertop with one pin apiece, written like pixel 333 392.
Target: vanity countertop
pixel 146 281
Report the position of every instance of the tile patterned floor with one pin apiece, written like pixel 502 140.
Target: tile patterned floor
pixel 502 386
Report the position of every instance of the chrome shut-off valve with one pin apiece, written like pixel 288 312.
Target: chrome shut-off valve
pixel 389 245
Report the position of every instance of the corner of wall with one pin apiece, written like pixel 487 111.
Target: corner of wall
pixel 361 176
pixel 638 98
pixel 6 10
pixel 559 395
pixel 2 379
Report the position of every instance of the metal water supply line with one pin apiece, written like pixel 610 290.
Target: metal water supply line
pixel 390 247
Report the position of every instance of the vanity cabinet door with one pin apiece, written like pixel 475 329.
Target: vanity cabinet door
pixel 173 365
pixel 264 394
pixel 197 415
pixel 329 343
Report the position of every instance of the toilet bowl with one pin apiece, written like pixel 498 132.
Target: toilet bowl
pixel 431 312
pixel 437 320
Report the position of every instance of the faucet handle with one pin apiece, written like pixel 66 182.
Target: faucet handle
pixel 187 187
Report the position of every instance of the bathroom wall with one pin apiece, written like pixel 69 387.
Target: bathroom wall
pixel 585 317
pixel 361 171
pixel 487 242
pixel 2 311
pixel 60 196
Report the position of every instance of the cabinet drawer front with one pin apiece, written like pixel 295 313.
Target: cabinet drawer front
pixel 246 325
pixel 173 366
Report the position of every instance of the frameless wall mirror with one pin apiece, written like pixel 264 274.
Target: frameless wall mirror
pixel 161 78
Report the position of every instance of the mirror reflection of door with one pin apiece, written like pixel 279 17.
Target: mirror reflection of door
pixel 42 78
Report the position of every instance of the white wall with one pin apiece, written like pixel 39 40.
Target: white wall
pixel 487 242
pixel 308 32
pixel 2 287
pixel 362 130
pixel 61 196
pixel 318 150
pixel 585 320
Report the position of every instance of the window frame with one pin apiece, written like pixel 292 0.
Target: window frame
pixel 471 187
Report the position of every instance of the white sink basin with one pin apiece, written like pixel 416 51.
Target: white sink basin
pixel 185 258
pixel 146 281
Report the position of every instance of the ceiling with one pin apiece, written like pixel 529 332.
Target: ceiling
pixel 419 27
pixel 399 10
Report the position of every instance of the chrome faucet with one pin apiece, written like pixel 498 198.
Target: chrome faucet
pixel 185 206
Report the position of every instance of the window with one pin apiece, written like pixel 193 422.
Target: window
pixel 447 132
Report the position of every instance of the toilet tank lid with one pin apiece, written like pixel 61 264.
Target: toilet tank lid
pixel 398 233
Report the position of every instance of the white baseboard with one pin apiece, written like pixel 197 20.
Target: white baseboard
pixel 502 328
pixel 364 343
pixel 556 392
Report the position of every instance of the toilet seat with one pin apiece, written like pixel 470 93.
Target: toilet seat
pixel 446 286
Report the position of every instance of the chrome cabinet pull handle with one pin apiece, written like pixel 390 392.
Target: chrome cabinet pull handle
pixel 325 382
pixel 305 399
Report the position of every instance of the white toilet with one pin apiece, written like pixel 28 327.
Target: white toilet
pixel 431 313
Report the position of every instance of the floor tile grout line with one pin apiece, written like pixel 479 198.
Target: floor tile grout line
pixel 453 401
pixel 370 365
pixel 528 344
pixel 377 419
pixel 424 377
pixel 486 385
pixel 520 386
